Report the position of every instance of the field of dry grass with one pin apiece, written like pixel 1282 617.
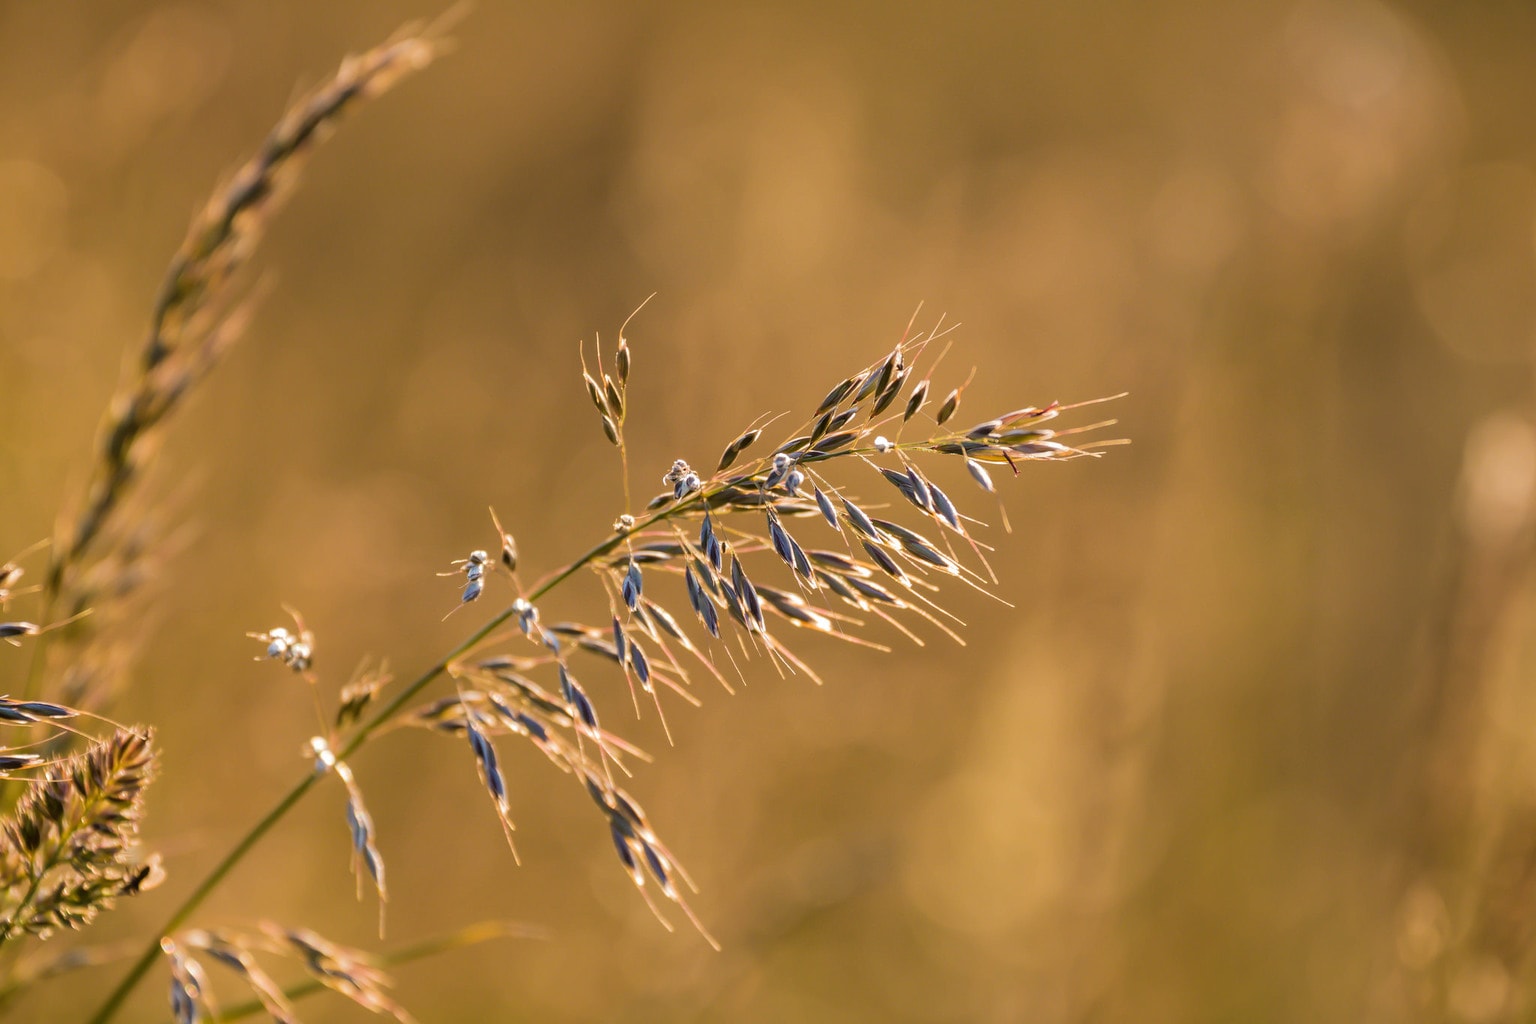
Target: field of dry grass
pixel 1244 731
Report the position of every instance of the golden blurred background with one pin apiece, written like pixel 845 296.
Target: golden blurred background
pixel 1256 738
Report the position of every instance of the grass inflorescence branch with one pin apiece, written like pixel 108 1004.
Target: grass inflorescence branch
pixel 877 566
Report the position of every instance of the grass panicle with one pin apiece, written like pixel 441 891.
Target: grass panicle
pixel 751 517
pixel 846 529
pixel 739 544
